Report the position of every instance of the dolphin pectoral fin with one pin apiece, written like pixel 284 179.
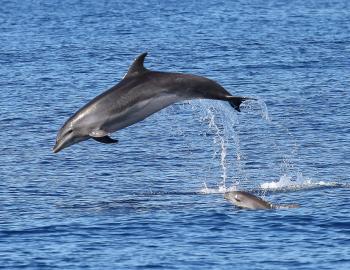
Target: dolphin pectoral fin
pixel 236 102
pixel 105 139
pixel 102 136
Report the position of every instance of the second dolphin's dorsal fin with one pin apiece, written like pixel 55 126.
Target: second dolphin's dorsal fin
pixel 137 66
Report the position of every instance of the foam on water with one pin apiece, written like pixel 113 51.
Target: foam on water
pixel 284 184
pixel 288 183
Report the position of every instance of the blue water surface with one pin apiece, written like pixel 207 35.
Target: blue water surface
pixel 155 199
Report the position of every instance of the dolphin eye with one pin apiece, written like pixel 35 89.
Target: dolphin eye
pixel 236 198
pixel 70 131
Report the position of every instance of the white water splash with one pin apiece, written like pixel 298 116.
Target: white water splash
pixel 249 106
pixel 219 139
pixel 264 111
pixel 287 182
pixel 218 190
pixel 224 124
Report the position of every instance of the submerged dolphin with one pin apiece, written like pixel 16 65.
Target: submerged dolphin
pixel 140 93
pixel 243 199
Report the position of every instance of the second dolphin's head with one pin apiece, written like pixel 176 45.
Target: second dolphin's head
pixel 244 199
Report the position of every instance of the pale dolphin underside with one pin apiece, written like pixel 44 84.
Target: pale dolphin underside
pixel 243 199
pixel 138 95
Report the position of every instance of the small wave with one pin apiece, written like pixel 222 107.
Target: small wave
pixel 49 229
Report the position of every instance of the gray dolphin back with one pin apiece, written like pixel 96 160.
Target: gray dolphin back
pixel 243 199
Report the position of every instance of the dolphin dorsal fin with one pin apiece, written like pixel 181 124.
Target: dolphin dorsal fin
pixel 137 66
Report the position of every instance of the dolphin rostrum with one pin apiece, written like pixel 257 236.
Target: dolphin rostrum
pixel 243 199
pixel 139 94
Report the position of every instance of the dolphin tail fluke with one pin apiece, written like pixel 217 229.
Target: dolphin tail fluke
pixel 236 102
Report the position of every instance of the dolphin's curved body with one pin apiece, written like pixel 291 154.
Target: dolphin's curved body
pixel 139 94
pixel 243 199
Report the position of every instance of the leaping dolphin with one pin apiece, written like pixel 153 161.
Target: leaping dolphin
pixel 138 95
pixel 243 199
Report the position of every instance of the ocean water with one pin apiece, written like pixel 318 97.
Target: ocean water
pixel 155 200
